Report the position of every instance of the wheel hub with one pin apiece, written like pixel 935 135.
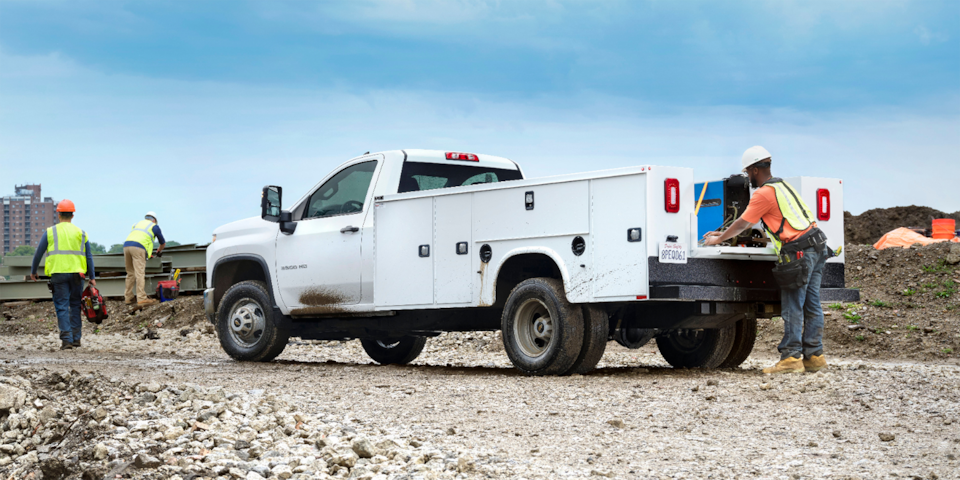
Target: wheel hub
pixel 533 328
pixel 247 322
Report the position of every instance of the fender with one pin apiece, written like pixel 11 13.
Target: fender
pixel 268 279
pixel 549 252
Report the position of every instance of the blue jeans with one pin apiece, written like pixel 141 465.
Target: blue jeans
pixel 802 313
pixel 67 288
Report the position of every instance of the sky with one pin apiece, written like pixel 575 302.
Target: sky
pixel 190 108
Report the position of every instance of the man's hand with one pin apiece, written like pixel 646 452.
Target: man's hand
pixel 712 238
pixel 93 282
pixel 33 277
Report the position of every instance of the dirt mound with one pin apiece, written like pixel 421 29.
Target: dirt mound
pixel 40 318
pixel 869 226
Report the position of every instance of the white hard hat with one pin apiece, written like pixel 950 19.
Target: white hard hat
pixel 754 155
pixel 151 214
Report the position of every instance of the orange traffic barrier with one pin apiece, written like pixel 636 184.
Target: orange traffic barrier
pixel 944 228
pixel 904 237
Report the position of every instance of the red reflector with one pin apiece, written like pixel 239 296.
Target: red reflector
pixel 823 204
pixel 641 297
pixel 671 195
pixel 467 157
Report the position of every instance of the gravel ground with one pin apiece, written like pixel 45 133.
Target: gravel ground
pixel 461 411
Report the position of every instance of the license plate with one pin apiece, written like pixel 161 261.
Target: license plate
pixel 673 252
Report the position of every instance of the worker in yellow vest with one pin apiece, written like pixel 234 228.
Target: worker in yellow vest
pixel 68 259
pixel 801 252
pixel 136 250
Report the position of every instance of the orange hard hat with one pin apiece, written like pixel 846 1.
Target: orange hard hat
pixel 66 206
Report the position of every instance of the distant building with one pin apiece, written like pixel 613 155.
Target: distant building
pixel 25 216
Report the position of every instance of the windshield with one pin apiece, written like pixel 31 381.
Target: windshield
pixel 429 176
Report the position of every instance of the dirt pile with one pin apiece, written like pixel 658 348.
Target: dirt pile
pixel 869 226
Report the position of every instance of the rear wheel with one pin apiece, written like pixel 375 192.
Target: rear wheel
pixel 596 332
pixel 743 340
pixel 400 351
pixel 246 324
pixel 687 348
pixel 542 331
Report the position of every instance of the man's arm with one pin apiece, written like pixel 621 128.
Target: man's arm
pixel 159 235
pixel 90 271
pixel 38 255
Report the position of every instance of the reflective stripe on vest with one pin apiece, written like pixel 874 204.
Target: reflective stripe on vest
pixel 142 233
pixel 66 249
pixel 793 209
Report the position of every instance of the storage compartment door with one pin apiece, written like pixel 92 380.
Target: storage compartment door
pixel 404 276
pixel 453 271
pixel 619 265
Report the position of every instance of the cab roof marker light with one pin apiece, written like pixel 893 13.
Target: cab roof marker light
pixel 467 157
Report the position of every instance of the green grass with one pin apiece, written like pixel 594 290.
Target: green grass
pixel 836 306
pixel 859 338
pixel 909 292
pixel 929 286
pixel 852 317
pixel 878 331
pixel 947 350
pixel 949 288
pixel 879 303
pixel 913 327
pixel 940 267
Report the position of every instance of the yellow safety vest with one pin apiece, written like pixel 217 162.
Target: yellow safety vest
pixel 143 234
pixel 66 249
pixel 792 207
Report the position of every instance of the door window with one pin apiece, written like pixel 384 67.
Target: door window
pixel 342 194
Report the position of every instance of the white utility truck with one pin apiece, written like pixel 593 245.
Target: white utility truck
pixel 394 247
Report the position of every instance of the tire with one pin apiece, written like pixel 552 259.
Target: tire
pixel 394 352
pixel 542 331
pixel 743 339
pixel 596 332
pixel 634 338
pixel 246 325
pixel 706 348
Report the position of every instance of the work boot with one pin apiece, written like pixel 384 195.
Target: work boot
pixel 814 363
pixel 787 365
pixel 76 344
pixel 65 345
pixel 129 302
pixel 148 302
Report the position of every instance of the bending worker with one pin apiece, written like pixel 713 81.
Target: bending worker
pixel 801 254
pixel 66 262
pixel 136 250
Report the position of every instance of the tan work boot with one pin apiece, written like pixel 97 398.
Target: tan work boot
pixel 814 363
pixel 787 365
pixel 129 302
pixel 148 302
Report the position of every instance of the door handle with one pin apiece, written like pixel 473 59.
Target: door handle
pixel 350 229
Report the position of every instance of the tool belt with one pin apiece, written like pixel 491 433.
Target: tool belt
pixel 791 272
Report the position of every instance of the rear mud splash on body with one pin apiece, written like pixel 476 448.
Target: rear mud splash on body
pixel 320 301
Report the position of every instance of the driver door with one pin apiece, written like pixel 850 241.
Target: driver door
pixel 319 265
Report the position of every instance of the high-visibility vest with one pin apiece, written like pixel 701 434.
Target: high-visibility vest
pixel 792 207
pixel 142 233
pixel 66 249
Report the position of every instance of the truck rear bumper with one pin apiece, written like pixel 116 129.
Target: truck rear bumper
pixel 738 294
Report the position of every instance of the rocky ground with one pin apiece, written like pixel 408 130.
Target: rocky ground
pixel 152 395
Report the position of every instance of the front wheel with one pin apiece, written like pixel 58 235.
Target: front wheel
pixel 542 331
pixel 394 352
pixel 246 326
pixel 687 348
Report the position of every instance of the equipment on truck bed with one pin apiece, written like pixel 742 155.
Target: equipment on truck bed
pixel 724 202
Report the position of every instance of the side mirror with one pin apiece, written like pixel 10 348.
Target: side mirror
pixel 270 202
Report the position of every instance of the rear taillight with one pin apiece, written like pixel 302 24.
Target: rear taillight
pixel 823 204
pixel 467 157
pixel 671 195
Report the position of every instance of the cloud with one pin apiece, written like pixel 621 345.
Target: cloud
pixel 927 37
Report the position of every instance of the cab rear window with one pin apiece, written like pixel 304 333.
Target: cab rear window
pixel 429 176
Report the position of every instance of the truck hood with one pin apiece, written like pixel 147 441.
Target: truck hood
pixel 247 226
